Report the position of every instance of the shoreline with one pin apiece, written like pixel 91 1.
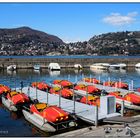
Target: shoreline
pixel 64 63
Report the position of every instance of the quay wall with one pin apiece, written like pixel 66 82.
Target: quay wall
pixel 64 62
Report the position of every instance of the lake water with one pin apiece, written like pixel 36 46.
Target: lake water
pixel 71 56
pixel 12 124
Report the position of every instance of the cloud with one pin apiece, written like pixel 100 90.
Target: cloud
pixel 116 19
pixel 71 40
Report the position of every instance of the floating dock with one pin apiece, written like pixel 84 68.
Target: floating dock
pixel 123 92
pixel 109 89
pixel 85 112
pixel 127 104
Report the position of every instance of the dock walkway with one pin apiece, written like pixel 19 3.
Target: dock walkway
pixel 109 89
pixel 117 130
pixel 82 111
pixel 123 92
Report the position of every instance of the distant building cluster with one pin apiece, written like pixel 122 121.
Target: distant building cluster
pixel 31 42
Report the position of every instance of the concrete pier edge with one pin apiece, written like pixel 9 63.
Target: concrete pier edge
pixel 63 62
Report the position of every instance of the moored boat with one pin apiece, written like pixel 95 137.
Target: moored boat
pixel 47 118
pixel 131 100
pixel 78 66
pixel 66 93
pixel 108 83
pixel 120 85
pixel 90 89
pixel 4 89
pixel 95 101
pixel 14 100
pixel 41 86
pixel 132 97
pixel 36 67
pixel 63 83
pixel 101 66
pixel 91 80
pixel 116 84
pixel 91 100
pixel 54 66
pixel 137 65
pixel 12 67
pixel 118 66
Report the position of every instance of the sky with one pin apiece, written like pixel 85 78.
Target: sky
pixel 72 21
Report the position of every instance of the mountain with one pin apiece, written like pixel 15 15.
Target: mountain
pixel 17 40
pixel 26 32
pixel 27 41
pixel 117 43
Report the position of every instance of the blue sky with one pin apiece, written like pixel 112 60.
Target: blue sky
pixel 72 21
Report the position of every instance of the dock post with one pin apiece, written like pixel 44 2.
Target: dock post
pixel 132 85
pixel 82 76
pixel 76 79
pixel 86 94
pixel 99 79
pixel 115 87
pixel 15 84
pixel 103 85
pixel 120 82
pixel 36 91
pixel 73 101
pixel 68 77
pixel 47 96
pixel 28 90
pixel 109 79
pixel 90 78
pixel 129 87
pixel 21 85
pixel 60 97
pixel 122 108
pixel 96 115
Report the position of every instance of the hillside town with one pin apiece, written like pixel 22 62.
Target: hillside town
pixel 26 41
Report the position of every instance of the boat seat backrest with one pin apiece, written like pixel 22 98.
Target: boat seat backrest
pixel 57 88
pixel 1 85
pixel 40 106
pixel 82 86
pixel 13 93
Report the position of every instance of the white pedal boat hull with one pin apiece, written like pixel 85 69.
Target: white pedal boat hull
pixel 9 104
pixel 38 121
pixel 128 104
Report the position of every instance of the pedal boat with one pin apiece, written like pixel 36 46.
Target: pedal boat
pixel 14 101
pixel 90 89
pixel 41 86
pixel 131 100
pixel 4 89
pixel 63 83
pixel 66 93
pixel 45 117
pixel 91 80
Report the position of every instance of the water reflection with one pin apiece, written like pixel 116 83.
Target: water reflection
pixel 123 71
pixel 54 73
pixel 15 122
pixel 9 72
pixel 137 70
pixel 15 115
pixel 37 72
pixel 77 71
pixel 100 72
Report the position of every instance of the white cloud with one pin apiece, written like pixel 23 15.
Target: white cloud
pixel 71 40
pixel 116 19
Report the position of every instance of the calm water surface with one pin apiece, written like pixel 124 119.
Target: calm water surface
pixel 12 124
pixel 72 56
